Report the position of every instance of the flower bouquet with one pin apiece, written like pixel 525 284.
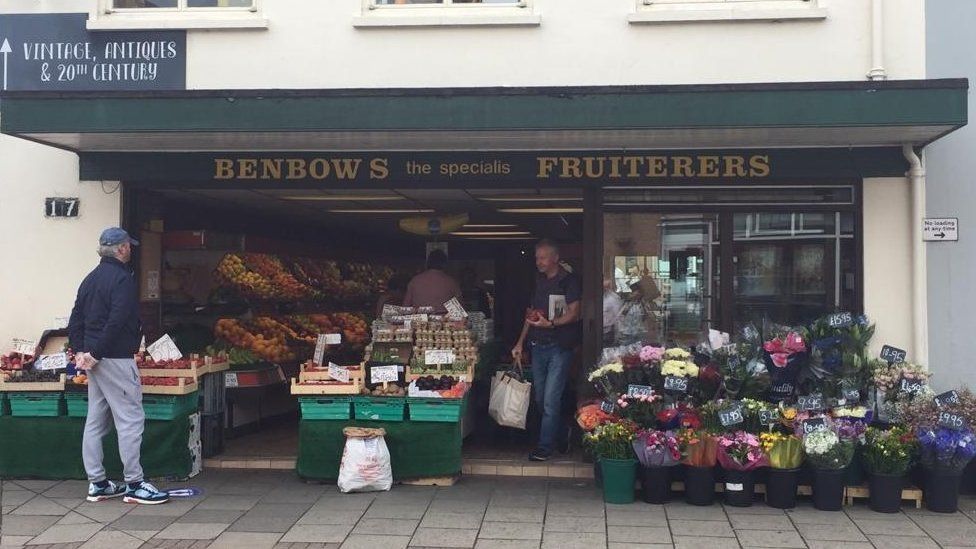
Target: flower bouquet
pixel 641 409
pixel 740 454
pixel 785 354
pixel 589 417
pixel 828 455
pixel 612 444
pixel 680 416
pixel 658 453
pixel 897 387
pixel 944 453
pixel 785 455
pixel 887 455
pixel 699 450
pixel 609 380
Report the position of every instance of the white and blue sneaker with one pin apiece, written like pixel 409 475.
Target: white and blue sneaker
pixel 109 491
pixel 145 494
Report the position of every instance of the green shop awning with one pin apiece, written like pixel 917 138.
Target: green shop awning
pixel 814 114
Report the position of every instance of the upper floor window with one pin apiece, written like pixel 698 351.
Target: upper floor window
pixel 180 4
pixel 663 11
pixel 440 13
pixel 444 2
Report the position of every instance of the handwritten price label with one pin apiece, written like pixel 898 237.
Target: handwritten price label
pixel 639 390
pixel 56 361
pixel 164 349
pixel 24 346
pixel 435 356
pixel 814 425
pixel 676 383
pixel 381 374
pixel 455 310
pixel 338 373
pixel 947 398
pixel 319 350
pixel 893 355
pixel 733 415
pixel 911 386
pixel 810 402
pixel 768 417
pixel 333 339
pixel 608 407
pixel 951 421
pixel 840 320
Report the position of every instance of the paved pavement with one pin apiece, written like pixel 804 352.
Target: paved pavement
pixel 274 510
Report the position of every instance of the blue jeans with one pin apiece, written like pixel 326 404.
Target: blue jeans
pixel 550 368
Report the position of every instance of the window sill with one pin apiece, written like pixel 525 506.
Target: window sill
pixel 729 14
pixel 116 22
pixel 476 20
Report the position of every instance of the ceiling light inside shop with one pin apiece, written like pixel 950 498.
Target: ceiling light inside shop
pixel 490 233
pixel 501 238
pixel 379 211
pixel 541 210
pixel 489 226
pixel 343 198
pixel 533 199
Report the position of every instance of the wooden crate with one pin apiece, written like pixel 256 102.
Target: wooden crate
pixel 355 373
pixel 468 376
pixel 862 492
pixel 215 366
pixel 431 481
pixel 49 386
pixel 183 388
pixel 194 371
pixel 352 388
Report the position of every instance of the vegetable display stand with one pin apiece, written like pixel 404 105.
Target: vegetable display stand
pixel 885 492
pixel 828 489
pixel 618 480
pixel 942 490
pixel 656 484
pixel 781 488
pixel 740 486
pixel 699 485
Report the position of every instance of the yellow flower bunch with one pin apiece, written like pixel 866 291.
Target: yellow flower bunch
pixel 677 353
pixel 784 451
pixel 679 368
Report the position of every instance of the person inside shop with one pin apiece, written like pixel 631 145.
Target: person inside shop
pixel 475 296
pixel 612 305
pixel 105 332
pixel 396 289
pixel 552 329
pixel 433 287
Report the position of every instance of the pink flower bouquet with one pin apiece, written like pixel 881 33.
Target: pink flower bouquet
pixel 741 451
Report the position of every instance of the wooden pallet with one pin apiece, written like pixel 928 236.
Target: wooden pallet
pixel 861 492
pixel 47 386
pixel 354 387
pixel 183 388
pixel 431 481
pixel 801 490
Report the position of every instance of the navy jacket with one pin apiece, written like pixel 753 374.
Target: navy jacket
pixel 105 318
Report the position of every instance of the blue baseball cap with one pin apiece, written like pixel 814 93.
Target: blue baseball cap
pixel 114 235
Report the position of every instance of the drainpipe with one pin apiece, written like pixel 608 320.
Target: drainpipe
pixel 877 71
pixel 920 318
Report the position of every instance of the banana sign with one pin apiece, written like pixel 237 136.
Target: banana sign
pixel 433 225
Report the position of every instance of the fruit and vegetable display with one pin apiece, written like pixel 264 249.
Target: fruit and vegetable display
pixel 152 381
pixel 146 362
pixel 79 379
pixel 444 386
pixel 33 376
pixel 288 337
pixel 14 361
pixel 272 277
pixel 391 390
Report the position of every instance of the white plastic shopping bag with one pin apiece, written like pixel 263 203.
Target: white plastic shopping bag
pixel 365 465
pixel 508 403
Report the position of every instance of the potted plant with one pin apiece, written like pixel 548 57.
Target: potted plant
pixel 944 453
pixel 740 454
pixel 887 456
pixel 658 453
pixel 828 455
pixel 785 455
pixel 612 444
pixel 698 454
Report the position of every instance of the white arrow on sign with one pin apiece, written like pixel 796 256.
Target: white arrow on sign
pixel 5 49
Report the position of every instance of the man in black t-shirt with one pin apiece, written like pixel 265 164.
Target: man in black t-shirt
pixel 552 329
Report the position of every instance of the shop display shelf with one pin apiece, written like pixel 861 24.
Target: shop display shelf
pixel 77 403
pixel 379 408
pixel 183 388
pixel 36 404
pixel 39 386
pixel 354 387
pixel 167 407
pixel 318 408
pixel 467 375
pixel 442 410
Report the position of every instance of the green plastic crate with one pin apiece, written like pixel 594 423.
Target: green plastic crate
pixel 77 403
pixel 326 407
pixel 379 408
pixel 442 410
pixel 4 405
pixel 166 407
pixel 40 404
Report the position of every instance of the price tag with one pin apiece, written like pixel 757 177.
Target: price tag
pixel 851 393
pixel 893 355
pixel 947 398
pixel 319 350
pixel 750 332
pixel 408 324
pixel 24 346
pixel 733 415
pixel 379 374
pixel 911 386
pixel 415 318
pixel 676 383
pixel 333 339
pixel 814 425
pixel 840 320
pixel 783 390
pixel 639 390
pixel 455 310
pixel 810 402
pixel 768 417
pixel 230 380
pixel 734 487
pixel 438 356
pixel 338 373
pixel 389 310
pixel 164 349
pixel 56 361
pixel 608 407
pixel 951 421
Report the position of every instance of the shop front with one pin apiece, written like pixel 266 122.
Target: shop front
pixel 684 209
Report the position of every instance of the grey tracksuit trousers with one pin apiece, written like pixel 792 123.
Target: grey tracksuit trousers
pixel 114 395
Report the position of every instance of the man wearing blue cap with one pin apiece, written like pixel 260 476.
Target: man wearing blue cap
pixel 105 332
